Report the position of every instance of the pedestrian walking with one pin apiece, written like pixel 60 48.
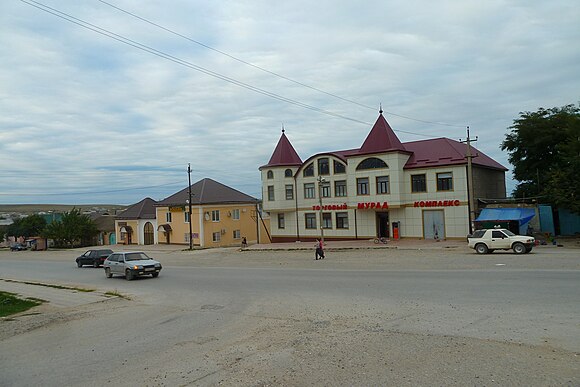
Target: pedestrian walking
pixel 244 243
pixel 319 254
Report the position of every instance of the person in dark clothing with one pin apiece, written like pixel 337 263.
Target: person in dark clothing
pixel 319 250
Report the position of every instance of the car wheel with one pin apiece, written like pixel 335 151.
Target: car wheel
pixel 108 272
pixel 480 248
pixel 95 263
pixel 155 275
pixel 519 248
pixel 79 264
pixel 128 275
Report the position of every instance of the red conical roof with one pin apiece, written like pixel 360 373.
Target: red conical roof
pixel 284 154
pixel 381 139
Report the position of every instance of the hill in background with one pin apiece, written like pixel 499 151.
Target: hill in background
pixel 36 208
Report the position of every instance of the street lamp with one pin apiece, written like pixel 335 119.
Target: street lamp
pixel 321 183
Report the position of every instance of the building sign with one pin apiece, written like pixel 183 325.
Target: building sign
pixel 373 206
pixel 437 203
pixel 331 207
pixel 177 208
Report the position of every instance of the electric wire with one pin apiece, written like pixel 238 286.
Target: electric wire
pixel 193 66
pixel 268 71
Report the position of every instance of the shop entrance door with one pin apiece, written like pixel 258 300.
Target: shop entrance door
pixel 434 224
pixel 383 224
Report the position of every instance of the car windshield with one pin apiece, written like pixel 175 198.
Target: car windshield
pixel 508 233
pixel 136 257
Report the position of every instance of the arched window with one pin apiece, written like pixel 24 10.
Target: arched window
pixel 288 173
pixel 270 175
pixel 371 163
pixel 148 234
pixel 339 167
pixel 309 170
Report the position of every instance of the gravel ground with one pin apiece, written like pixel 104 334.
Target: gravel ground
pixel 337 345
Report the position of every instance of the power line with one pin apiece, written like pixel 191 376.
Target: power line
pixel 266 70
pixel 185 63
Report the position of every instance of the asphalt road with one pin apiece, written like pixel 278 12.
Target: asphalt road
pixel 206 303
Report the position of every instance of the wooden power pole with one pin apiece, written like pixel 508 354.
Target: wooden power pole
pixel 470 192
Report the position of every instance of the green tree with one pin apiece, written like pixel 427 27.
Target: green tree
pixel 73 228
pixel 544 148
pixel 27 227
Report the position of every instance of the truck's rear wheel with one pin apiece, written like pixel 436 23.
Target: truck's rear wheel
pixel 480 248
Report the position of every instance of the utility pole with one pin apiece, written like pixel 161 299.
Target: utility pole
pixel 321 181
pixel 470 192
pixel 189 203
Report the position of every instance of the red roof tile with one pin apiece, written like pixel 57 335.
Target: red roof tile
pixel 444 151
pixel 381 139
pixel 284 154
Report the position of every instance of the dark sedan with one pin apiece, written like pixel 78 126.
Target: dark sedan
pixel 95 258
pixel 18 247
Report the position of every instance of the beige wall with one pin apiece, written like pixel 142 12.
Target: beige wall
pixel 204 226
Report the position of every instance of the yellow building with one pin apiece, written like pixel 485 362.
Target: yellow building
pixel 137 225
pixel 220 216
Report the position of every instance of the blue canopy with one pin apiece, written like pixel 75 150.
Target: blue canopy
pixel 522 215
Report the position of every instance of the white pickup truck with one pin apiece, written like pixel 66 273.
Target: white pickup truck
pixel 486 241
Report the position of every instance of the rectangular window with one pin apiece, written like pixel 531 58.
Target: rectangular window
pixel 326 220
pixel 236 214
pixel 418 183
pixel 362 186
pixel 281 221
pixel 445 181
pixel 310 221
pixel 216 236
pixel 309 191
pixel 215 215
pixel 325 190
pixel 237 234
pixel 382 184
pixel 342 220
pixel 168 217
pixel 186 216
pixel 323 166
pixel 271 193
pixel 289 192
pixel 340 188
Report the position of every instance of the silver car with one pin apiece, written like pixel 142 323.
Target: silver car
pixel 131 264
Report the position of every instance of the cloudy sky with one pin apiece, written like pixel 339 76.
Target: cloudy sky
pixel 108 101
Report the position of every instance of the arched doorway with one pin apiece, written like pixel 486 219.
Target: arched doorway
pixel 165 229
pixel 148 236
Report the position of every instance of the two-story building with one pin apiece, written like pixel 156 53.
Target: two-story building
pixel 384 188
pixel 220 216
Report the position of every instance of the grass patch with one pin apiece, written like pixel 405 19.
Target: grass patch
pixel 54 286
pixel 10 304
pixel 115 293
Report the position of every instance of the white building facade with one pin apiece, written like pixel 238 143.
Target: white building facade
pixel 382 189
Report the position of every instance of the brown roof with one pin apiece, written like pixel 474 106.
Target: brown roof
pixel 145 209
pixel 207 191
pixel 284 154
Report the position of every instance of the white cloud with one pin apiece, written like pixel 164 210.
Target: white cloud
pixel 85 113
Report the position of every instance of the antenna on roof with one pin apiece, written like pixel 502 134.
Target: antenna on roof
pixel 380 108
pixel 283 128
